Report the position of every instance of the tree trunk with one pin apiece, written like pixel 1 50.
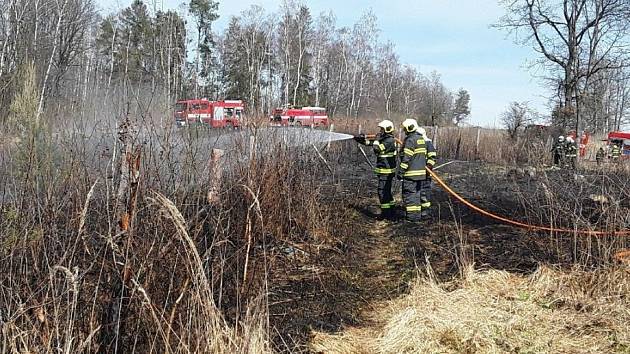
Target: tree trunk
pixel 40 106
pixel 299 68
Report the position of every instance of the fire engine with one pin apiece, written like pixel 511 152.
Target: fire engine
pixel 305 116
pixel 216 114
pixel 623 140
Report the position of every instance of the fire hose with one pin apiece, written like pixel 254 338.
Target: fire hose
pixel 523 225
pixel 502 219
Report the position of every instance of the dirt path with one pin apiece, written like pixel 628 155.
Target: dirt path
pixel 340 288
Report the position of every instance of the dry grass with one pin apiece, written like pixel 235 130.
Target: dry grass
pixel 549 311
pixel 189 273
pixel 177 272
pixel 468 143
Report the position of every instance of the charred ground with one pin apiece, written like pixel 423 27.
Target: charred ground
pixel 374 260
pixel 293 246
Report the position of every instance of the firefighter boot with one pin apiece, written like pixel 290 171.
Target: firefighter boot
pixel 387 214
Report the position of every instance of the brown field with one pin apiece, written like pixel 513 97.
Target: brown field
pixel 285 254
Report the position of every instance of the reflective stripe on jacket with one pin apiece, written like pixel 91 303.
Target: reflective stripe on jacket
pixel 571 150
pixel 600 154
pixel 385 150
pixel 416 154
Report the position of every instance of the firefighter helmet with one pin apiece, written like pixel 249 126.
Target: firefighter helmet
pixel 387 126
pixel 410 125
pixel 560 138
pixel 570 140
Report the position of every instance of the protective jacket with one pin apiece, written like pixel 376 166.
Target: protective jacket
pixel 385 149
pixel 559 148
pixel 571 150
pixel 615 151
pixel 416 155
pixel 384 146
pixel 600 154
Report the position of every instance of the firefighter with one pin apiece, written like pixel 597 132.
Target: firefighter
pixel 558 151
pixel 417 156
pixel 599 157
pixel 571 153
pixel 384 145
pixel 615 152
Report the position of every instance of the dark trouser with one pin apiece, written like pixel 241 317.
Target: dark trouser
pixel 557 159
pixel 416 198
pixel 385 194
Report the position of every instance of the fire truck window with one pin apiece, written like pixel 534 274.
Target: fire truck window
pixel 180 107
pixel 239 113
pixel 229 112
pixel 196 106
pixel 204 106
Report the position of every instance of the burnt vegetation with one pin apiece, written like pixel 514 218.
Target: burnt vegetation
pixel 286 247
pixel 120 233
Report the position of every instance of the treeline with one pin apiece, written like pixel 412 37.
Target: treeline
pixel 292 57
pixel 267 58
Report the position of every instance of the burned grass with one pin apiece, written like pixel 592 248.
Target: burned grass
pixel 460 255
pixel 290 247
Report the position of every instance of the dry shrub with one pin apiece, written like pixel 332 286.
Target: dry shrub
pixel 469 143
pixel 549 311
pixel 490 145
pixel 574 202
pixel 185 275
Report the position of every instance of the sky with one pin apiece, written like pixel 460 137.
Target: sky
pixel 451 37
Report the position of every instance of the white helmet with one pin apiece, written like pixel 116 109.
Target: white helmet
pixel 422 131
pixel 560 138
pixel 570 140
pixel 410 125
pixel 387 125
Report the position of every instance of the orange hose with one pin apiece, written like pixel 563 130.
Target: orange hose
pixel 518 223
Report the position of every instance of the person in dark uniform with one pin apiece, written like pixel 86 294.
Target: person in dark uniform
pixel 615 152
pixel 417 156
pixel 571 153
pixel 558 151
pixel 599 157
pixel 384 146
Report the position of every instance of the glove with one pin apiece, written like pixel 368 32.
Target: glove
pixel 399 175
pixel 376 142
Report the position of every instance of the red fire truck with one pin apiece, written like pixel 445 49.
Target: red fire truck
pixel 623 140
pixel 216 114
pixel 305 116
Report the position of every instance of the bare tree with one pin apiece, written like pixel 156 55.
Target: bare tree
pixel 516 118
pixel 322 40
pixel 575 39
pixel 388 70
pixel 61 11
pixel 364 36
